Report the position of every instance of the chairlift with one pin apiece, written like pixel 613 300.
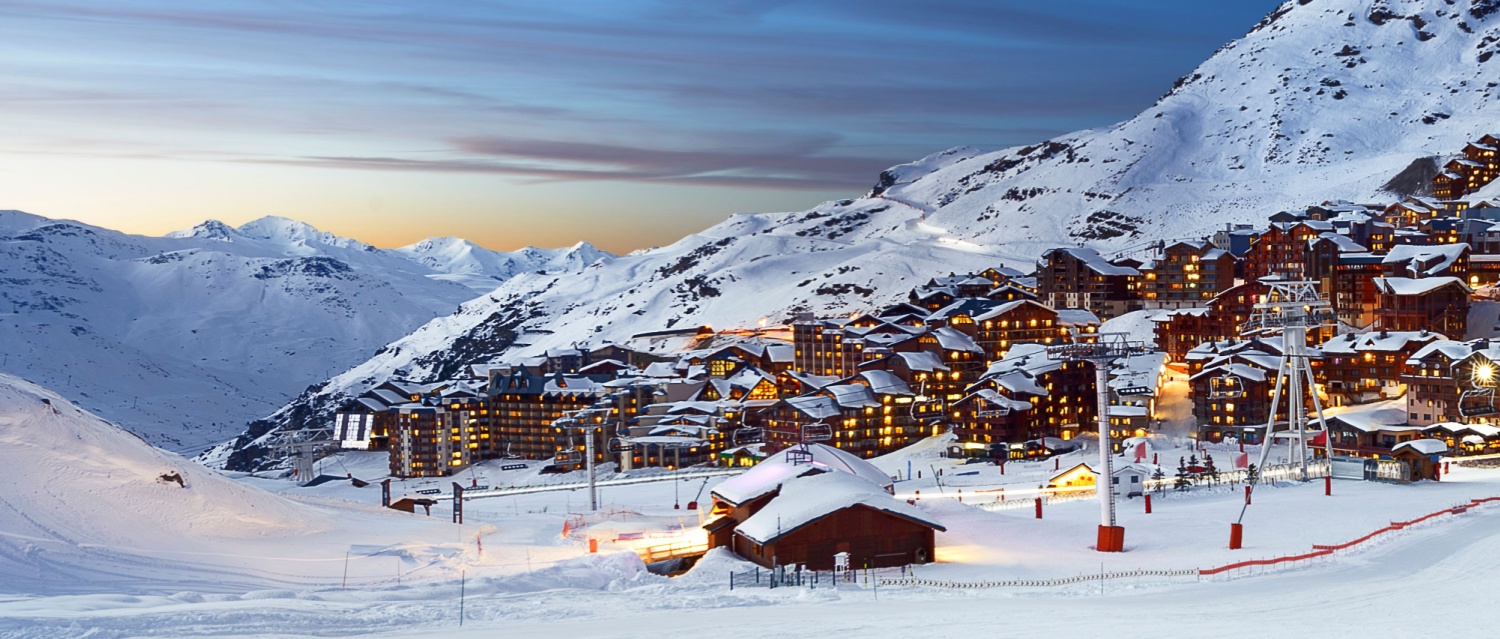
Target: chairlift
pixel 747 435
pixel 1226 387
pixel 617 445
pixel 566 457
pixel 993 413
pixel 929 406
pixel 818 432
pixel 1477 402
pixel 799 456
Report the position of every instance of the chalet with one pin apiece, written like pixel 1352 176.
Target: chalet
pixel 1371 430
pixel 1010 293
pixel 1435 303
pixel 804 504
pixel 1423 456
pixel 1232 398
pixel 1077 277
pixel 1426 261
pixel 1004 325
pixel 868 414
pixel 523 406
pixel 1359 368
pixel 1433 391
pixel 815 517
pixel 1280 251
pixel 1468 439
pixel 997 410
pixel 1354 297
pixel 1128 480
pixel 1060 394
pixel 1188 274
pixel 1179 331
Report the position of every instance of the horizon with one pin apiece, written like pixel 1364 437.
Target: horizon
pixel 626 126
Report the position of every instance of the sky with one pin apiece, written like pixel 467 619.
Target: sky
pixel 624 123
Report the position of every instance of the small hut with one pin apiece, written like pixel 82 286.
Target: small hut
pixel 1422 456
pixel 815 517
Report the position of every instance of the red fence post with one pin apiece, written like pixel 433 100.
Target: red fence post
pixel 1148 503
pixel 1327 485
pixel 1038 507
pixel 1236 536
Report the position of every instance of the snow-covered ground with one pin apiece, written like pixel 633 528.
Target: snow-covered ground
pixel 93 544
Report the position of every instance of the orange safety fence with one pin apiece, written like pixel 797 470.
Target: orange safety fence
pixel 1321 550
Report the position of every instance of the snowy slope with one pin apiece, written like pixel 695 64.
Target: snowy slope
pixel 186 337
pixel 1325 99
pixel 460 260
pixel 83 509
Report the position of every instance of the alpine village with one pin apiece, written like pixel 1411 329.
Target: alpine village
pixel 1388 290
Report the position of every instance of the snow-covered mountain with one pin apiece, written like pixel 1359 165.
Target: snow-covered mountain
pixel 459 260
pixel 1324 99
pixel 184 338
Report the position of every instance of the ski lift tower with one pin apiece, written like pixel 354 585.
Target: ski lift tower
pixel 1103 352
pixel 303 447
pixel 1290 308
pixel 589 421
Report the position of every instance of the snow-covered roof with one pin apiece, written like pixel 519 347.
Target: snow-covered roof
pixel 1378 341
pixel 1408 286
pixel 885 383
pixel 815 406
pixel 1387 416
pixel 1094 261
pixel 1076 317
pixel 768 475
pixel 1451 349
pixel 1424 446
pixel 1426 260
pixel 1343 242
pixel 804 500
pixel 994 398
pixel 952 339
pixel 925 361
pixel 1236 369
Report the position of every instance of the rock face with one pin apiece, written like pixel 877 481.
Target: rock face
pixel 184 338
pixel 1324 99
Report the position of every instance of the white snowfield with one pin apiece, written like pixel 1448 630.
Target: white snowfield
pixel 94 544
pixel 85 508
pixel 1325 100
pixel 186 337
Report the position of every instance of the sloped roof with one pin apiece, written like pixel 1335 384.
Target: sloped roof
pixel 805 499
pixel 770 473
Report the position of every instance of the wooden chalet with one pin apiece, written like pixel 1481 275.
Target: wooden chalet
pixel 1423 456
pixel 1359 368
pixel 1078 277
pixel 808 503
pixel 868 414
pixel 1188 274
pixel 523 406
pixel 1182 330
pixel 813 518
pixel 1282 249
pixel 1371 430
pixel 1434 303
